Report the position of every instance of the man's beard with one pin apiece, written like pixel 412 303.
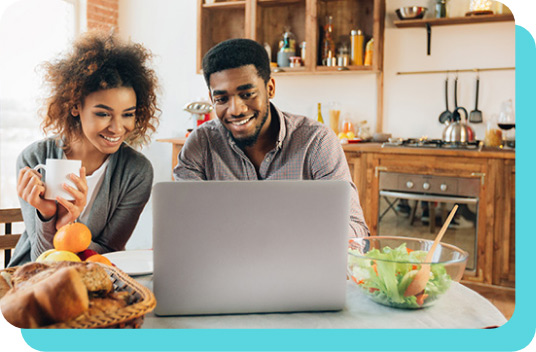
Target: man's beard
pixel 251 140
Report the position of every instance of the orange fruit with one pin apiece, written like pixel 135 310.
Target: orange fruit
pixel 97 258
pixel 74 237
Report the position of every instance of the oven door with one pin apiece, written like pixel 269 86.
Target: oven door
pixel 422 215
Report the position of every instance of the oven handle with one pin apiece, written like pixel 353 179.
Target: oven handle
pixel 429 198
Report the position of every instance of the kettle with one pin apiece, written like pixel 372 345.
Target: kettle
pixel 458 131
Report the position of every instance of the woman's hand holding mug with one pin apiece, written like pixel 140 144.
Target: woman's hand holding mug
pixel 62 184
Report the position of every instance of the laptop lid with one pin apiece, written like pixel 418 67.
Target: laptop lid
pixel 225 247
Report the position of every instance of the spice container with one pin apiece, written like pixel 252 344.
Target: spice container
pixel 343 59
pixel 295 61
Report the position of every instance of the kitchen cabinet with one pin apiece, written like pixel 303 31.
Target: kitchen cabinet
pixel 494 168
pixel 266 20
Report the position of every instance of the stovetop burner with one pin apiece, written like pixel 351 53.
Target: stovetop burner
pixel 431 143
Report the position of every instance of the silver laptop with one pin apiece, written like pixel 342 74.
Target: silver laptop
pixel 223 247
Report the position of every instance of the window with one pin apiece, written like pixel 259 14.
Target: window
pixel 31 32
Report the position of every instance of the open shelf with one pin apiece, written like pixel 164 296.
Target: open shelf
pixel 226 4
pixel 453 20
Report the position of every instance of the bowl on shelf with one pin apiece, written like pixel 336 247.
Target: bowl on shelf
pixel 384 266
pixel 411 12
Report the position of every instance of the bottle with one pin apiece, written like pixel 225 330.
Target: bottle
pixel 320 119
pixel 441 8
pixel 328 44
pixel 356 51
pixel 287 48
pixel 303 52
pixel 369 52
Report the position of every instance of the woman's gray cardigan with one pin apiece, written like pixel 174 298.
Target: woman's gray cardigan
pixel 117 207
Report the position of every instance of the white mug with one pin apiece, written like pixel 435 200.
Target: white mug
pixel 57 173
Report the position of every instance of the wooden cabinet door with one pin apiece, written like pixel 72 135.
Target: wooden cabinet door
pixel 504 244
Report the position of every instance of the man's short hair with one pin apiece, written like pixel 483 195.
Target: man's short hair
pixel 235 53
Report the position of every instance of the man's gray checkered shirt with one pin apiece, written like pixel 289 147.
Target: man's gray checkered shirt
pixel 305 150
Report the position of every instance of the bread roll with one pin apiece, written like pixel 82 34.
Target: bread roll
pixel 20 308
pixel 5 285
pixel 25 272
pixel 63 295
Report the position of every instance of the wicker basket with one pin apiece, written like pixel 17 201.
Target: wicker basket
pixel 141 301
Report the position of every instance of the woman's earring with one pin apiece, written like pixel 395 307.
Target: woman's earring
pixel 74 111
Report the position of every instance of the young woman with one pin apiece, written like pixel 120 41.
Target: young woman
pixel 102 102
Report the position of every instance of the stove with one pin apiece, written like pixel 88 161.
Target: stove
pixel 432 144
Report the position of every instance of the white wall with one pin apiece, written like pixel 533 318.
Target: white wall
pixel 412 103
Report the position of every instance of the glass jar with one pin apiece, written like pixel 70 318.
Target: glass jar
pixel 493 136
pixel 334 115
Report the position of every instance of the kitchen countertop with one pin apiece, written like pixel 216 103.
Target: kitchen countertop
pixel 372 147
pixel 378 148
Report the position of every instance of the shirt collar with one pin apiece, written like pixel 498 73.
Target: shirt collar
pixel 282 125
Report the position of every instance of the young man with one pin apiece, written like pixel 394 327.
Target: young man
pixel 252 139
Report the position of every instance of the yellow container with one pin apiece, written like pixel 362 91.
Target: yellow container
pixel 356 54
pixel 369 52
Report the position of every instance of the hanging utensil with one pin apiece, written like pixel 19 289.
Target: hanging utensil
pixel 446 115
pixel 476 115
pixel 423 275
pixel 456 91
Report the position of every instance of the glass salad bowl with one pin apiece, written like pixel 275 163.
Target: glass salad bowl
pixel 384 266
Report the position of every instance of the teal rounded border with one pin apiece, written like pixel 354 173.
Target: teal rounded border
pixel 514 335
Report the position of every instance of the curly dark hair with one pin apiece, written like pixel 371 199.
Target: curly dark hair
pixel 100 61
pixel 235 53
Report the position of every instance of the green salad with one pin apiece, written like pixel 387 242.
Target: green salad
pixel 386 279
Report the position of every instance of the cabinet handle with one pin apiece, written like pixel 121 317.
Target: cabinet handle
pixel 278 70
pixel 343 68
pixel 377 169
pixel 481 175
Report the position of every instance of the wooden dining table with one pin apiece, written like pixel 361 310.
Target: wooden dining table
pixel 459 308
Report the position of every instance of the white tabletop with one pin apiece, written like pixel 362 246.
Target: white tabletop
pixel 459 308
